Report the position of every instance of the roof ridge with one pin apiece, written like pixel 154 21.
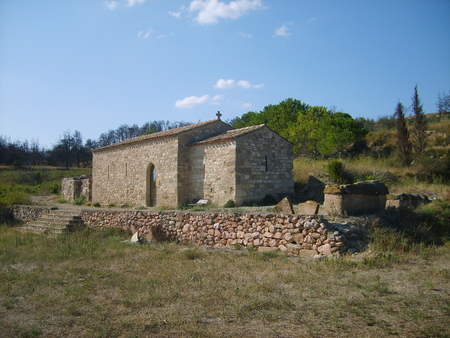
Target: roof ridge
pixel 229 134
pixel 157 135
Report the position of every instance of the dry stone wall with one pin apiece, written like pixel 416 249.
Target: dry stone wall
pixel 294 234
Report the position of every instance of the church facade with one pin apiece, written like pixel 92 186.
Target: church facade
pixel 208 160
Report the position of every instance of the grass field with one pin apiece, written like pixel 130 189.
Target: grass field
pixel 92 284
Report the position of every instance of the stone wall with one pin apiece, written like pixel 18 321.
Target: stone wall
pixel 294 234
pixel 298 235
pixel 120 175
pixel 263 166
pixel 73 187
pixel 26 213
pixel 212 172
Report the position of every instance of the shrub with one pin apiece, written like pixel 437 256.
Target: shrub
pixel 79 200
pixel 229 204
pixel 335 170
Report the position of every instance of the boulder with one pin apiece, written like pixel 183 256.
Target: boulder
pixel 284 206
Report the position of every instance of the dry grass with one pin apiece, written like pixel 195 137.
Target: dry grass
pixel 93 285
pixel 397 179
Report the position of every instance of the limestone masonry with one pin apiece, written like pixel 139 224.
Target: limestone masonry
pixel 208 160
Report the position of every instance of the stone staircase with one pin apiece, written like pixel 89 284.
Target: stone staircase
pixel 56 222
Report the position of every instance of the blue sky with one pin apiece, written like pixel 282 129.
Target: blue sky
pixel 92 65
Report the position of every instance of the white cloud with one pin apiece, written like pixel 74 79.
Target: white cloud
pixel 131 3
pixel 310 20
pixel 227 84
pixel 165 36
pixel 145 35
pixel 175 14
pixel 191 101
pixel 111 4
pixel 246 105
pixel 215 100
pixel 282 31
pixel 245 35
pixel 210 11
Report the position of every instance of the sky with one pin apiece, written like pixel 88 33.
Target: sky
pixel 93 65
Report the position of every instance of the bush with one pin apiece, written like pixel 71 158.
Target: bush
pixel 79 200
pixel 335 170
pixel 229 204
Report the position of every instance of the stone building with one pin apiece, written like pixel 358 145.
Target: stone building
pixel 208 160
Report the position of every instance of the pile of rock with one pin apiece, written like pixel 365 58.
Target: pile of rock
pixel 409 200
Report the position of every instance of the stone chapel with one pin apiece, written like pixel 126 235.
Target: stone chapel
pixel 208 160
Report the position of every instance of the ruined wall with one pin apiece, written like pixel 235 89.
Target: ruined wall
pixel 73 187
pixel 263 166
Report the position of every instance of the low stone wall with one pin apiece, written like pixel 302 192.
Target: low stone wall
pixel 295 234
pixel 26 213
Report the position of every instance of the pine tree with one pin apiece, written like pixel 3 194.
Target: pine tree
pixel 403 144
pixel 420 124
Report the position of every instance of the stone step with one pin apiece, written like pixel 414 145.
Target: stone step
pixel 56 222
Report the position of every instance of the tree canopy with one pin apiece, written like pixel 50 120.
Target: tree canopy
pixel 314 130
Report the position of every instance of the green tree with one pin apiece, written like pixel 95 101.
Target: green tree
pixel 279 117
pixel 320 132
pixel 403 144
pixel 419 124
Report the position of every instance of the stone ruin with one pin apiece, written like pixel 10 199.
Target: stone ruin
pixel 74 187
pixel 355 199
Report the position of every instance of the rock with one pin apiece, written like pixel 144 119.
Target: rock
pixel 308 208
pixel 313 190
pixel 326 249
pixel 284 206
pixel 135 238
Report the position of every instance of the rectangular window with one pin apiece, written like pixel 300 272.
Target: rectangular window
pixel 126 169
pixel 265 160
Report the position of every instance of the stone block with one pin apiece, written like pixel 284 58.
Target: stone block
pixel 355 199
pixel 308 208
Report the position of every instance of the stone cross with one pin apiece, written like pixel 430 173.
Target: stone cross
pixel 218 115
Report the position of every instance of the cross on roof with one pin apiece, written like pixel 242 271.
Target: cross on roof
pixel 218 115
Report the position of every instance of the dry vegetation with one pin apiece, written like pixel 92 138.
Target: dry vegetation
pixel 91 284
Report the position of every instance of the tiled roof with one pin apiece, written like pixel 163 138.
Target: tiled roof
pixel 230 134
pixel 158 135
